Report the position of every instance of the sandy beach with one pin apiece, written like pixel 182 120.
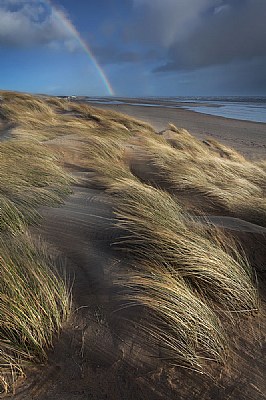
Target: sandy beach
pixel 247 137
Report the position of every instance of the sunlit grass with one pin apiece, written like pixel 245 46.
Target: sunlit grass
pixel 29 177
pixel 157 230
pixel 185 274
pixel 47 118
pixel 105 157
pixel 224 184
pixel 181 324
pixel 34 299
pixel 34 303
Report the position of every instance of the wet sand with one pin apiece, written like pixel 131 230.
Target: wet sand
pixel 247 137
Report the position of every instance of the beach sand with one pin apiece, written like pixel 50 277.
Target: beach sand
pixel 247 137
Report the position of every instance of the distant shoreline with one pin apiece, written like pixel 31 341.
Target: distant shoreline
pixel 245 136
pixel 241 108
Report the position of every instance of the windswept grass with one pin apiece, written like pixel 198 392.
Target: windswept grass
pixel 34 299
pixel 262 165
pixel 157 230
pixel 184 327
pixel 184 274
pixel 188 277
pixel 34 303
pixel 41 118
pixel 47 118
pixel 106 158
pixel 224 151
pixel 224 184
pixel 29 177
pixel 182 140
pixel 30 113
pixel 108 117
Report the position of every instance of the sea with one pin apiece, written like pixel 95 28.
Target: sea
pixel 236 107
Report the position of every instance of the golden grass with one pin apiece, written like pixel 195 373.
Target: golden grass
pixel 261 164
pixel 224 151
pixel 34 299
pixel 40 118
pixel 159 231
pixel 34 303
pixel 185 274
pixel 27 111
pixel 184 327
pixel 108 117
pixel 46 118
pixel 29 178
pixel 182 140
pixel 228 184
pixel 106 158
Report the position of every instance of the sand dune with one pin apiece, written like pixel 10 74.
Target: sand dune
pixel 94 357
pixel 100 354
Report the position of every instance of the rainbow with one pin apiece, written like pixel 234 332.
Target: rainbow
pixel 71 28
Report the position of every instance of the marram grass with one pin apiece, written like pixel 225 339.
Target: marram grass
pixel 34 303
pixel 222 184
pixel 157 230
pixel 47 118
pixel 34 298
pixel 184 274
pixel 105 157
pixel 186 329
pixel 29 178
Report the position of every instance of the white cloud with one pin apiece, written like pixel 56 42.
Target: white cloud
pixel 30 23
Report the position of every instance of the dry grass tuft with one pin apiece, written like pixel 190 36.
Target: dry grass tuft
pixel 34 299
pixel 224 151
pixel 157 230
pixel 106 158
pixel 34 303
pixel 184 274
pixel 229 185
pixel 29 177
pixel 47 117
pixel 182 140
pixel 177 321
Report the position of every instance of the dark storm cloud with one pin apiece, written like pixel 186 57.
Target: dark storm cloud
pixel 242 78
pixel 230 32
pixel 221 43
pixel 193 34
pixel 248 76
pixel 162 22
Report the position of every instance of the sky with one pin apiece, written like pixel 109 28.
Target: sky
pixel 133 47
